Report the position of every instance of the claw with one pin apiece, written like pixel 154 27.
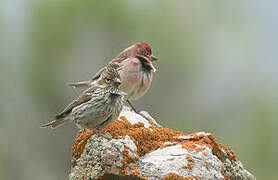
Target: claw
pixel 148 117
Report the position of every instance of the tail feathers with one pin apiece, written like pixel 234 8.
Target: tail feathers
pixel 55 123
pixel 80 84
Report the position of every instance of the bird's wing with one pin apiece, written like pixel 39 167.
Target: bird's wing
pixel 84 97
pixel 100 115
pixel 118 59
pixel 97 75
pixel 97 108
pixel 112 64
pixel 115 63
pixel 87 83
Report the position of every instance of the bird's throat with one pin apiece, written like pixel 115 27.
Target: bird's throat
pixel 146 64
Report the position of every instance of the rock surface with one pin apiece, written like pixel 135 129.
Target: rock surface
pixel 136 147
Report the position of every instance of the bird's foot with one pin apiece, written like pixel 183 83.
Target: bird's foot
pixel 148 117
pixel 145 115
pixel 101 133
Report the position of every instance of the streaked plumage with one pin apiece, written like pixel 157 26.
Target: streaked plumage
pixel 96 106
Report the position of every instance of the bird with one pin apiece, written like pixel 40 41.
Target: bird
pixel 136 72
pixel 97 106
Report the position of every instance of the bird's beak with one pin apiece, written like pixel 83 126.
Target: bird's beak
pixel 153 58
pixel 151 64
pixel 118 81
pixel 148 60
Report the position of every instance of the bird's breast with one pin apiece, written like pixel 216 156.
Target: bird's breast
pixel 135 81
pixel 114 99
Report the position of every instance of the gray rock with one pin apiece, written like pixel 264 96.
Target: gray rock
pixel 194 155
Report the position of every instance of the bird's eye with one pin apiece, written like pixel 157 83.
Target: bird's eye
pixel 147 53
pixel 107 80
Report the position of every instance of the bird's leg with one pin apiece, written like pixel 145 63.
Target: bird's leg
pixel 144 114
pixel 132 107
pixel 148 117
pixel 97 131
pixel 100 133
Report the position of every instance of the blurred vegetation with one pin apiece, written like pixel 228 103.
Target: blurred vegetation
pixel 210 75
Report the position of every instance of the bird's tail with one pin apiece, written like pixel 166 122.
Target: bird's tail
pixel 79 84
pixel 55 123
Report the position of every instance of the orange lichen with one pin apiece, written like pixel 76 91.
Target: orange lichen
pixel 209 141
pixel 135 172
pixel 187 166
pixel 148 140
pixel 132 166
pixel 79 144
pixel 127 160
pixel 217 148
pixel 143 178
pixel 173 176
pixel 200 149
pixel 126 157
pixel 189 158
pixel 190 161
pixel 145 139
pixel 225 176
pixel 232 155
pixel 188 145
pixel 123 172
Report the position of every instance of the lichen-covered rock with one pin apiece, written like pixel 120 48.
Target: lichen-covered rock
pixel 136 147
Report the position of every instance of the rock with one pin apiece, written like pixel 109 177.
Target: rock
pixel 136 147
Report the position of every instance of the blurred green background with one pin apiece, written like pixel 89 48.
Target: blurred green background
pixel 217 72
